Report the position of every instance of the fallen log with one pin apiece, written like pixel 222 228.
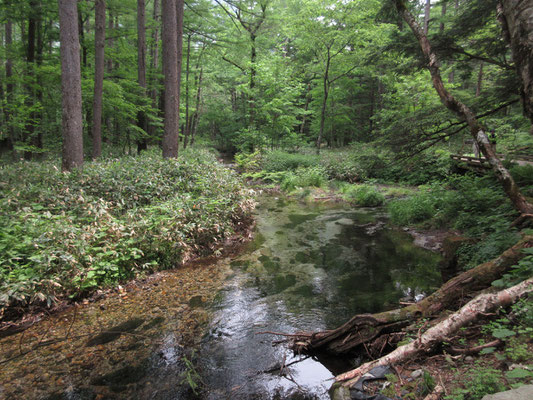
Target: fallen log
pixel 383 329
pixel 481 305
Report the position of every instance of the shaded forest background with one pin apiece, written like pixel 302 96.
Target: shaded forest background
pixel 262 74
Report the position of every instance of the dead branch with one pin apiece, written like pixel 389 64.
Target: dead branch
pixel 435 335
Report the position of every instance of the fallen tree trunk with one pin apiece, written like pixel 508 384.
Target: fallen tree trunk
pixel 378 331
pixel 426 342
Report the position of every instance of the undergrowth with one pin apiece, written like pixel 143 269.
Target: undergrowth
pixel 66 234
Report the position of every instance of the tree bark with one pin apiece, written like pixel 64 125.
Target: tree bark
pixel 142 143
pixel 187 70
pixel 170 71
pixel 9 86
pixel 477 131
pixel 70 85
pixel 427 11
pixel 325 82
pixel 479 85
pixel 481 305
pixel 99 61
pixel 367 328
pixel 155 60
pixel 196 114
pixel 516 17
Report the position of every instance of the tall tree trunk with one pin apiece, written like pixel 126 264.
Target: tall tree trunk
pixel 170 71
pixel 187 122
pixel 70 85
pixel 9 86
pixel 109 64
pixel 306 108
pixel 325 82
pixel 427 13
pixel 142 143
pixel 99 64
pixel 196 115
pixel 155 60
pixel 477 131
pixel 516 17
pixel 479 85
pixel 30 66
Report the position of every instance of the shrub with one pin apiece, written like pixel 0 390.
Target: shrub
pixel 282 161
pixel 481 381
pixel 304 177
pixel 364 195
pixel 65 234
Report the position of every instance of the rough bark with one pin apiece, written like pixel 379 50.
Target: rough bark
pixel 366 328
pixel 154 52
pixel 170 72
pixel 99 61
pixel 142 143
pixel 481 305
pixel 516 17
pixel 476 129
pixel 70 85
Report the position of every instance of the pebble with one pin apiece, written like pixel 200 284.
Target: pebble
pixel 417 374
pixel 469 359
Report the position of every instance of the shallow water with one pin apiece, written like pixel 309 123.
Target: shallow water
pixel 311 266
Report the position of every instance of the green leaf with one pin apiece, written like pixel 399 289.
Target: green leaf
pixel 518 373
pixel 487 350
pixel 502 333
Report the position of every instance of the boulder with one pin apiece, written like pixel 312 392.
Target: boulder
pixel 522 393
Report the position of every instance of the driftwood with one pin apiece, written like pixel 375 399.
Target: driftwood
pixel 368 332
pixel 426 342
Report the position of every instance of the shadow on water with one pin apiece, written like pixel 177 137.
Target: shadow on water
pixel 310 267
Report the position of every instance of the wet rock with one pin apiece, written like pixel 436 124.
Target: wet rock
pixel 115 332
pixel 522 393
pixel 74 393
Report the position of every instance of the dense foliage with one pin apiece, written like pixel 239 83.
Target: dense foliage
pixel 64 234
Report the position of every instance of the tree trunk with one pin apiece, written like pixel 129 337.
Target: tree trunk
pixel 70 85
pixel 481 305
pixel 516 17
pixel 170 71
pixel 427 11
pixel 196 114
pixel 325 82
pixel 155 60
pixel 30 60
pixel 479 85
pixel 9 86
pixel 187 122
pixel 142 143
pixel 476 130
pixel 306 108
pixel 363 330
pixel 99 60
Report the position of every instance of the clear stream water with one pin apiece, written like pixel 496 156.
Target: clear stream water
pixel 310 267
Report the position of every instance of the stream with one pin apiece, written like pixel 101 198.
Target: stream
pixel 202 331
